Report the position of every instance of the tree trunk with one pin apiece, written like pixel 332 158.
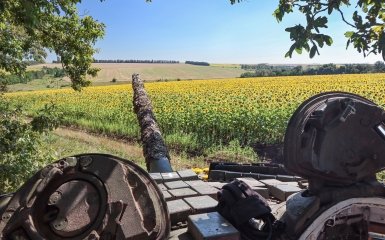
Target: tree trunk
pixel 154 148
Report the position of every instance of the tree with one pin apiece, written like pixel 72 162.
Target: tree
pixel 29 28
pixel 368 23
pixel 379 66
pixel 22 151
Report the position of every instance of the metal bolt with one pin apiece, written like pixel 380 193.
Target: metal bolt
pixel 330 223
pixel 6 216
pixel 71 161
pixel 54 198
pixel 93 236
pixel 85 161
pixel 59 224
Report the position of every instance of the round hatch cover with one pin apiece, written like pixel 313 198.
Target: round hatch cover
pixel 337 138
pixel 89 196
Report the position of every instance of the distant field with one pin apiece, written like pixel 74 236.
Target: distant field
pixel 153 72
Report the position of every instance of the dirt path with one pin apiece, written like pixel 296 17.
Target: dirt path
pixel 131 149
pixel 68 141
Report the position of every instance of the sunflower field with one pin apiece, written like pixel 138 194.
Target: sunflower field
pixel 198 114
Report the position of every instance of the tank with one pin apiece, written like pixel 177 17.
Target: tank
pixel 326 189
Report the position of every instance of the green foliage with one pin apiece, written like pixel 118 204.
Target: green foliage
pixel 381 176
pixel 28 76
pixel 368 22
pixel 379 66
pixel 234 151
pixel 3 83
pixel 47 119
pixel 28 28
pixel 265 70
pixel 21 150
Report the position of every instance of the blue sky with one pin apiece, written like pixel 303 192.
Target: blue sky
pixel 207 30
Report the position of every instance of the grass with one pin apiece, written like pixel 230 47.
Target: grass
pixel 40 84
pixel 67 142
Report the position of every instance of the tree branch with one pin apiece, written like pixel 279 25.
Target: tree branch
pixel 322 10
pixel 343 18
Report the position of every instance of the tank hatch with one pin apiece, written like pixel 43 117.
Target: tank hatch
pixel 89 196
pixel 336 138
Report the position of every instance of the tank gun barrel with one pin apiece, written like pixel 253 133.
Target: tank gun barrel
pixel 154 148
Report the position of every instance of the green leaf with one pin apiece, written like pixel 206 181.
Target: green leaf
pixel 290 52
pixel 366 22
pixel 313 51
pixel 347 43
pixel 278 14
pixel 349 34
pixel 378 29
pixel 329 41
pixel 298 50
pixel 289 29
pixel 321 22
pixel 318 38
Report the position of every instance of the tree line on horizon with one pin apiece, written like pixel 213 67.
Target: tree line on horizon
pixel 143 61
pixel 128 61
pixel 134 61
pixel 198 63
pixel 266 70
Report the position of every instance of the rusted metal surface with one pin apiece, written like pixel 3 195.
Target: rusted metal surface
pixel 359 213
pixel 154 148
pixel 335 139
pixel 90 196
